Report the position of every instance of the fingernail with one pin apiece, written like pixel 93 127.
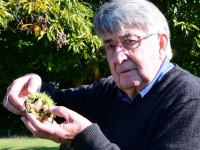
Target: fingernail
pixel 51 108
pixel 22 118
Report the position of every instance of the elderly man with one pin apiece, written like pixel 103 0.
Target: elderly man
pixel 147 103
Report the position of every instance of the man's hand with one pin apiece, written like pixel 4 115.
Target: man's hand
pixel 60 133
pixel 18 90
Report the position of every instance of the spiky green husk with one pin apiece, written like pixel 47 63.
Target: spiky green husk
pixel 38 104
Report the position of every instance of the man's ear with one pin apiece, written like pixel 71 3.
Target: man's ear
pixel 163 45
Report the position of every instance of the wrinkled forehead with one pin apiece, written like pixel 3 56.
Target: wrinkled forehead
pixel 108 36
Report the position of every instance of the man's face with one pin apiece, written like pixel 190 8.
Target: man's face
pixel 133 69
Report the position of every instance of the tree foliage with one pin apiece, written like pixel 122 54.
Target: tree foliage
pixel 184 22
pixel 57 19
pixel 5 16
pixel 53 37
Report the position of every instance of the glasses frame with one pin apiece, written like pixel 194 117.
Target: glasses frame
pixel 102 50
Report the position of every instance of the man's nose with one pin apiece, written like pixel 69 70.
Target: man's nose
pixel 119 55
pixel 118 45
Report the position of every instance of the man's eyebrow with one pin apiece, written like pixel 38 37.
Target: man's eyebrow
pixel 107 41
pixel 123 36
pixel 127 35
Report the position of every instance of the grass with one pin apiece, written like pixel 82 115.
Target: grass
pixel 27 143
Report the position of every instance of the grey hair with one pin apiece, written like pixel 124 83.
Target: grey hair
pixel 116 15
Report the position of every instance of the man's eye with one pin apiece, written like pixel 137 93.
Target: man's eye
pixel 130 41
pixel 111 46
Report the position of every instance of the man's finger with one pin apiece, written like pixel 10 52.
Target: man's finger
pixel 28 124
pixel 36 123
pixel 61 111
pixel 16 94
pixel 34 83
pixel 8 104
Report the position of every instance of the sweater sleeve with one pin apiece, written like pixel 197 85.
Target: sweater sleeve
pixel 88 101
pixel 92 139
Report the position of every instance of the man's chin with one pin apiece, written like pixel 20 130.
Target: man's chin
pixel 129 84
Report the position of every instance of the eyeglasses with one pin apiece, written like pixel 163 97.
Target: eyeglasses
pixel 126 43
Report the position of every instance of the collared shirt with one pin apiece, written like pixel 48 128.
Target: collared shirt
pixel 165 67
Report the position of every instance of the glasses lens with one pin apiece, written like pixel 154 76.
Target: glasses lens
pixel 131 42
pixel 131 45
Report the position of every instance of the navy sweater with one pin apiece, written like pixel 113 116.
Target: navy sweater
pixel 167 118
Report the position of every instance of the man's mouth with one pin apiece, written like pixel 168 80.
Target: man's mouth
pixel 126 71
